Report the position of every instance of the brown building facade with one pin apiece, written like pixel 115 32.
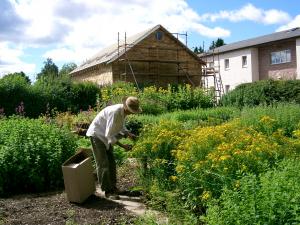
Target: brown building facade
pixel 154 56
pixel 269 69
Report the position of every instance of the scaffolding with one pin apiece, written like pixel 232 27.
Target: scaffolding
pixel 211 80
pixel 154 61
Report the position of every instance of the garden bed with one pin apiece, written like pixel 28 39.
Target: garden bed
pixel 53 207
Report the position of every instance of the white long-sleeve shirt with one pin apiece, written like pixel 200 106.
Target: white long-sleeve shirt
pixel 108 124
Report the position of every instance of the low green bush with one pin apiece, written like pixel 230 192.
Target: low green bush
pixel 211 158
pixel 157 100
pixel 61 94
pixel 13 90
pixel 31 155
pixel 266 92
pixel 185 97
pixel 269 119
pixel 154 150
pixel 203 117
pixel 198 162
pixel 270 198
pixel 65 95
pixel 190 118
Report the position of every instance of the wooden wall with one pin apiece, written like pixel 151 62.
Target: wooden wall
pixel 158 62
pixel 100 74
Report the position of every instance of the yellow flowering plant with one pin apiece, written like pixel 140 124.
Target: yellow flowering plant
pixel 113 94
pixel 154 148
pixel 211 158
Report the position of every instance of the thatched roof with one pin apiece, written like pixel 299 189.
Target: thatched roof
pixel 111 53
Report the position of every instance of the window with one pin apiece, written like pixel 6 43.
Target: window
pixel 244 61
pixel 227 87
pixel 281 57
pixel 159 35
pixel 226 62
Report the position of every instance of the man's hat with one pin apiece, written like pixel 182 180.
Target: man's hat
pixel 132 104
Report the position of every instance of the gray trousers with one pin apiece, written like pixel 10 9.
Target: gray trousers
pixel 105 165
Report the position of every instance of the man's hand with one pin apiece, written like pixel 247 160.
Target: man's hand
pixel 127 147
pixel 131 136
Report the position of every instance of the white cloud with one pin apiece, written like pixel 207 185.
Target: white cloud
pixel 10 61
pixel 74 30
pixel 213 33
pixel 251 13
pixel 63 54
pixel 292 24
pixel 96 22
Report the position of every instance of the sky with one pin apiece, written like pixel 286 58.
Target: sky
pixel 74 30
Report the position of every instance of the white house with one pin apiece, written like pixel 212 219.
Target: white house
pixel 273 56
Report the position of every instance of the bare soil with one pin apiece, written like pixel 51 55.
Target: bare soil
pixel 53 208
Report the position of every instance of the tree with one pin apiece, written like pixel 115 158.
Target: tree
pixel 215 44
pixel 19 74
pixel 198 50
pixel 67 68
pixel 49 71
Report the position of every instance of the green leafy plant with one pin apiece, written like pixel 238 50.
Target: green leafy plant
pixel 266 92
pixel 285 116
pixel 270 198
pixel 31 155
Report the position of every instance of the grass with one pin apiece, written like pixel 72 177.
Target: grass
pixel 283 116
pixel 194 117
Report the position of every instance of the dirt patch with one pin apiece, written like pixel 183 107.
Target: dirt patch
pixel 53 208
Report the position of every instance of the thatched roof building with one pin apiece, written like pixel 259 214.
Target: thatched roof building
pixel 154 56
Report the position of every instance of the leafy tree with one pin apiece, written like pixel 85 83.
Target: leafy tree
pixel 14 89
pixel 19 74
pixel 67 68
pixel 215 44
pixel 198 50
pixel 49 71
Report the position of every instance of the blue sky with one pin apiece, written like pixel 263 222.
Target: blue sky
pixel 74 30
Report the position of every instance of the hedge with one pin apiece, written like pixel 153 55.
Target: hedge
pixel 266 92
pixel 37 99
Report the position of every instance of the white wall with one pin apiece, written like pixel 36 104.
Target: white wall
pixel 298 57
pixel 237 74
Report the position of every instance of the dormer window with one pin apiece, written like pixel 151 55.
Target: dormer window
pixel 158 35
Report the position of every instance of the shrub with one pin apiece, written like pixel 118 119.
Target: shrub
pixel 13 91
pixel 152 101
pixel 31 155
pixel 270 198
pixel 211 158
pixel 185 97
pixel 65 95
pixel 181 97
pixel 60 94
pixel 83 95
pixel 157 100
pixel 154 151
pixel 269 119
pixel 266 92
pixel 113 94
pixel 199 162
pixel 189 118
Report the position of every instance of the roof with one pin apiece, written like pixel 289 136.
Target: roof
pixel 112 52
pixel 282 35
